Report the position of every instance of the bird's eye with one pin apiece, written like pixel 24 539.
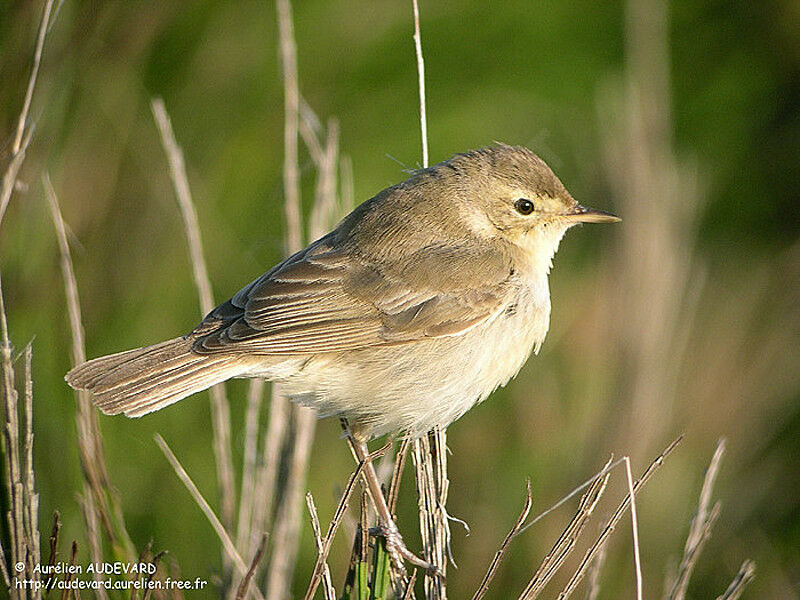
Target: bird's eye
pixel 524 206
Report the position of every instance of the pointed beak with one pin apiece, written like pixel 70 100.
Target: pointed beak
pixel 581 214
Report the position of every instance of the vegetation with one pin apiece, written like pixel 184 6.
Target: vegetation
pixel 681 118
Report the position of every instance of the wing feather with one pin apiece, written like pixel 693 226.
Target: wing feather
pixel 326 300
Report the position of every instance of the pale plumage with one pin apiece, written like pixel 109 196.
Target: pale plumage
pixel 420 303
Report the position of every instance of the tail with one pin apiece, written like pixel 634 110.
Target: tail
pixel 143 380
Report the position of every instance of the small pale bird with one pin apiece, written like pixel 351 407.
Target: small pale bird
pixel 417 306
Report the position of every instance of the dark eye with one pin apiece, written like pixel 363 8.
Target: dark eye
pixel 524 206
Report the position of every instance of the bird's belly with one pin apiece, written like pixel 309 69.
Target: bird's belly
pixel 421 384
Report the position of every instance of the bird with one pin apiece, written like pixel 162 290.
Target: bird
pixel 418 305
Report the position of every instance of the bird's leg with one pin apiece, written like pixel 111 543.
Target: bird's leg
pixel 394 541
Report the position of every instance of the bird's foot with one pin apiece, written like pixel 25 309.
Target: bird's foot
pixel 398 551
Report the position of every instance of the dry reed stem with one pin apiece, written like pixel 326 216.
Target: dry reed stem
pixel 16 527
pixel 498 557
pixel 322 553
pixel 22 139
pixel 565 544
pixel 700 529
pixel 286 534
pixel 266 488
pixel 102 506
pixel 637 560
pixel 11 172
pixel 22 500
pixel 409 593
pixel 37 59
pixel 291 171
pixel 325 575
pixel 220 408
pixel 247 497
pixel 72 560
pixel 430 461
pixel 397 474
pixel 244 587
pixel 423 120
pixel 216 524
pixel 30 497
pixel 579 574
pixel 745 575
pixel 323 213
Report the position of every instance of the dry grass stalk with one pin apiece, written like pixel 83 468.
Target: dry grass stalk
pixel 637 559
pixel 23 548
pixel 745 575
pixel 286 533
pixel 102 507
pixel 321 567
pixel 244 587
pixel 55 532
pixel 72 561
pixel 220 530
pixel 397 473
pixel 580 573
pixel 247 497
pixel 22 516
pixel 430 461
pixel 498 557
pixel 700 529
pixel 266 487
pixel 220 409
pixel 291 170
pixel 22 138
pixel 423 120
pixel 325 575
pixel 565 544
pixel 30 497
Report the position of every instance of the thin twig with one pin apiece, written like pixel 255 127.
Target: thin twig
pixel 579 574
pixel 13 481
pixel 37 59
pixel 700 529
pixel 572 494
pixel 323 575
pixel 397 474
pixel 423 120
pixel 22 139
pixel 227 543
pixel 498 557
pixel 220 408
pixel 565 544
pixel 29 496
pixel 247 497
pixel 287 519
pixel 637 561
pixel 745 575
pixel 430 461
pixel 244 587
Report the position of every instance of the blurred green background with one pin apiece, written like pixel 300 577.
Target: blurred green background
pixel 685 318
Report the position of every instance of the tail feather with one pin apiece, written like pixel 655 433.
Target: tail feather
pixel 143 380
